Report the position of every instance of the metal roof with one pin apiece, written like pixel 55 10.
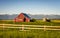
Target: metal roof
pixel 26 15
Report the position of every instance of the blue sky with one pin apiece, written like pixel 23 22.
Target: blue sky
pixel 30 6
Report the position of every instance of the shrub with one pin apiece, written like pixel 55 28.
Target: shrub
pixel 48 20
pixel 32 20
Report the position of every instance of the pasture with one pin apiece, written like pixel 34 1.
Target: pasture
pixel 16 33
pixel 37 22
pixel 29 33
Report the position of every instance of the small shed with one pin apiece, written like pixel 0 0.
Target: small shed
pixel 22 18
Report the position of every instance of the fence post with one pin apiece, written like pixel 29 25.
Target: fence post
pixel 22 27
pixel 44 28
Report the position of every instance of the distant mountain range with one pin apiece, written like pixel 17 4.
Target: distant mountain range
pixel 10 17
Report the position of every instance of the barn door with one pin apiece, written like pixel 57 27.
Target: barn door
pixel 24 19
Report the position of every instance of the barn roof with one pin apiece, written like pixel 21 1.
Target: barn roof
pixel 25 15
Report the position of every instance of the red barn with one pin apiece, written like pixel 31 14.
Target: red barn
pixel 22 18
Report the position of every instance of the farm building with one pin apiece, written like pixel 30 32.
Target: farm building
pixel 22 18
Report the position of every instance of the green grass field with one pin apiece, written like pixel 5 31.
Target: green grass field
pixel 37 22
pixel 16 33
